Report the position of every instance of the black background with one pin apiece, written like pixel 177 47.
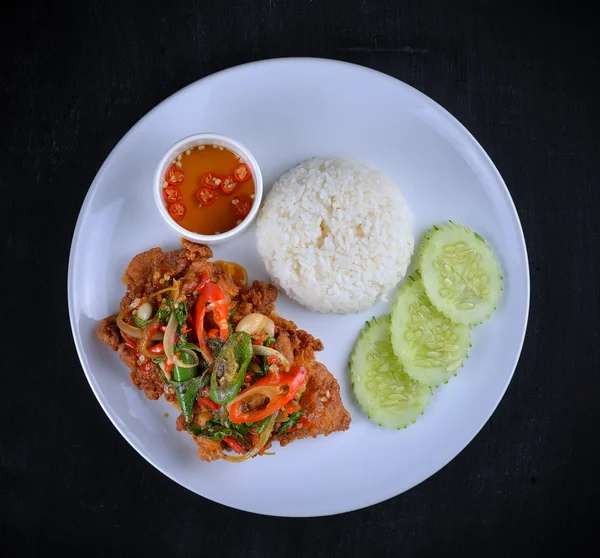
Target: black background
pixel 522 77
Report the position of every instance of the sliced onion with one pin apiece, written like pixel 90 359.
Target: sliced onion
pixel 181 364
pixel 166 372
pixel 256 323
pixel 267 352
pixel 262 441
pixel 176 290
pixel 170 334
pixel 142 345
pixel 268 391
pixel 163 291
pixel 133 331
pixel 169 344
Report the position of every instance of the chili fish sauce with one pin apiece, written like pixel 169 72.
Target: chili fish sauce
pixel 208 189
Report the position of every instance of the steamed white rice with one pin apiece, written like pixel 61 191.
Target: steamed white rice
pixel 335 234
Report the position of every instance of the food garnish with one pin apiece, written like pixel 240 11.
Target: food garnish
pixel 175 176
pixel 177 211
pixel 460 273
pixel 228 185
pixel 230 367
pixel 242 173
pixel 430 346
pixel 206 196
pixel 383 389
pixel 211 180
pixel 241 206
pixel 428 336
pixel 196 333
pixel 172 194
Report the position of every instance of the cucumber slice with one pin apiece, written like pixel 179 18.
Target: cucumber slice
pixel 430 346
pixel 460 273
pixel 385 392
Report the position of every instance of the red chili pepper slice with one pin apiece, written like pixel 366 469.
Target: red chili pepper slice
pixel 174 176
pixel 129 342
pixel 177 211
pixel 234 444
pixel 228 185
pixel 291 407
pixel 208 402
pixel 206 196
pixel 157 349
pixel 172 194
pixel 293 380
pixel 242 172
pixel 241 206
pixel 211 294
pixel 211 180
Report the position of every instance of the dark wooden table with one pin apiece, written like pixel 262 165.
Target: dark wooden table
pixel 524 79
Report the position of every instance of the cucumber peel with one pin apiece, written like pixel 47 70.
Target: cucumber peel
pixel 430 346
pixel 460 273
pixel 385 392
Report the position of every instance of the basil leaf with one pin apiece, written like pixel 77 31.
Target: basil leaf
pixel 241 428
pixel 181 344
pixel 165 309
pixel 181 313
pixel 291 421
pixel 138 322
pixel 215 432
pixel 261 425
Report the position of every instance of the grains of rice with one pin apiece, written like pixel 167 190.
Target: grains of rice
pixel 335 234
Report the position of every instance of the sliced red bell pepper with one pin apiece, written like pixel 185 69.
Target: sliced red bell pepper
pixel 294 379
pixel 212 299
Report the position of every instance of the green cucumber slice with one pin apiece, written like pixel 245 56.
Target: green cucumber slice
pixel 460 273
pixel 385 392
pixel 430 346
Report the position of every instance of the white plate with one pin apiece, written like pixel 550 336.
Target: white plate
pixel 285 111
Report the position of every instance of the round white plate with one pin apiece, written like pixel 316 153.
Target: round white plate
pixel 285 111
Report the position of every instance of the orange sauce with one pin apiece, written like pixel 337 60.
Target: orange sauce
pixel 220 216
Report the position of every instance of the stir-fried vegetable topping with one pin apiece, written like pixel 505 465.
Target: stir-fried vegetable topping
pixel 165 310
pixel 290 422
pixel 267 395
pixel 212 299
pixel 230 368
pixel 249 390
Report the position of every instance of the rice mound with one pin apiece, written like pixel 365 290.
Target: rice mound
pixel 335 234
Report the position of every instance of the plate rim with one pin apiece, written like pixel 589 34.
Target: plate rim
pixel 474 144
